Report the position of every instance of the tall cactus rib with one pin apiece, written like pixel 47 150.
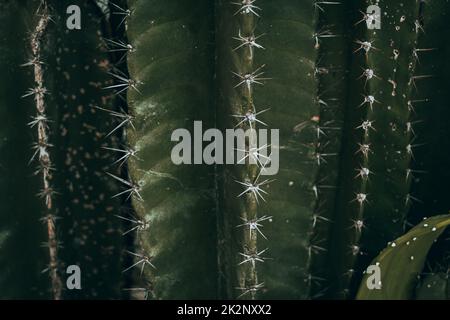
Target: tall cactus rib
pixel 169 87
pixel 42 146
pixel 288 232
pixel 21 257
pixel 377 200
pixel 77 69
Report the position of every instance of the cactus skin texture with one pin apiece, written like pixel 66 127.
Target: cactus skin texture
pixel 77 70
pixel 283 215
pixel 296 202
pixel 363 129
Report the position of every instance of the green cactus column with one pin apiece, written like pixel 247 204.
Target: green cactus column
pixel 274 229
pixel 21 232
pixel 170 86
pixel 432 129
pixel 76 71
pixel 374 192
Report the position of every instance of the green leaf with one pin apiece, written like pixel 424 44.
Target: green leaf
pixel 403 260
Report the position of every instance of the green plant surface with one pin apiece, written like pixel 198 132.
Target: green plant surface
pixel 173 67
pixel 431 115
pixel 403 260
pixel 21 231
pixel 294 228
pixel 94 119
pixel 52 147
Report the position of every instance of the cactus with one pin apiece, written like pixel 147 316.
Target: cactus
pixel 342 149
pixel 63 165
pixel 404 260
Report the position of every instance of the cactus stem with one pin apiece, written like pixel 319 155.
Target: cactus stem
pixel 250 289
pixel 127 153
pixel 133 189
pixel 249 79
pixel 124 83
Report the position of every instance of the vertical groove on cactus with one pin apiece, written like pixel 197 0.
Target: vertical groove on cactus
pixel 21 233
pixel 42 152
pixel 332 45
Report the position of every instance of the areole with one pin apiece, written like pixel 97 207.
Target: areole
pixel 190 150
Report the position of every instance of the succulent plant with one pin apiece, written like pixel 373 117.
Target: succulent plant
pixel 337 118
